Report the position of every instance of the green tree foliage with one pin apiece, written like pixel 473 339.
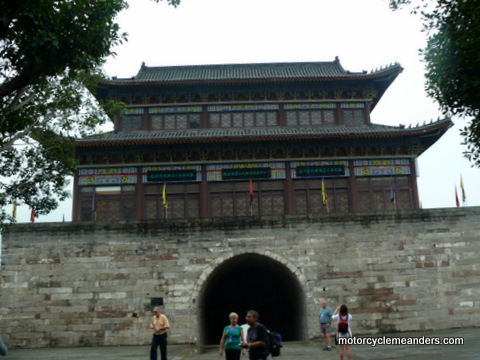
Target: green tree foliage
pixel 50 51
pixel 452 60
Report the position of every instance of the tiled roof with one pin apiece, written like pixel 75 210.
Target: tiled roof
pixel 248 72
pixel 253 134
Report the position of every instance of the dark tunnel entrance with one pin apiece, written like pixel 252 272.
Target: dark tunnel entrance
pixel 252 281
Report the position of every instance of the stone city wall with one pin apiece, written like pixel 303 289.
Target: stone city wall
pixel 74 284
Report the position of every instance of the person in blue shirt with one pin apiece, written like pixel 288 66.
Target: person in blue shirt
pixel 325 318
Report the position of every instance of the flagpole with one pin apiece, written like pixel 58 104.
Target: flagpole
pixel 164 199
pixel 464 196
pixel 457 202
pixel 250 197
pixel 393 195
pixel 324 196
pixel 14 210
pixel 94 205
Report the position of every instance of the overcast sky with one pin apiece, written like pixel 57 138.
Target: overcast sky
pixel 364 34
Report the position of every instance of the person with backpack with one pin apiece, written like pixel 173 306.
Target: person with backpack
pixel 343 328
pixel 257 338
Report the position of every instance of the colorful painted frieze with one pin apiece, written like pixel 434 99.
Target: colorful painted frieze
pixel 107 176
pixel 242 107
pixel 174 109
pixel 382 167
pixel 310 106
pixel 134 111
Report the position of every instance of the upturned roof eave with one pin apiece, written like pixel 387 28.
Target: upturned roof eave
pixel 437 130
pixel 357 77
pixel 249 72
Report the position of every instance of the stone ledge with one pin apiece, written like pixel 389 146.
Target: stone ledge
pixel 185 226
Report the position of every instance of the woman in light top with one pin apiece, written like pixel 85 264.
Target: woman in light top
pixel 345 318
pixel 231 338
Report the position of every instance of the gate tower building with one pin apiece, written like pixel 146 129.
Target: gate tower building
pixel 262 139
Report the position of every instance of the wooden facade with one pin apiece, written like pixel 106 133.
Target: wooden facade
pixel 248 140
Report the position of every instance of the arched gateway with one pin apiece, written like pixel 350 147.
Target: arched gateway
pixel 252 281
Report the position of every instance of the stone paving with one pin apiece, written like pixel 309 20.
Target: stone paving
pixel 291 350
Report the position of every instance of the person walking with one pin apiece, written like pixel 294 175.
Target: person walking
pixel 325 319
pixel 257 338
pixel 160 324
pixel 231 338
pixel 343 329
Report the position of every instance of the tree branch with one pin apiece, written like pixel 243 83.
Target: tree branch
pixel 27 130
pixel 10 8
pixel 21 80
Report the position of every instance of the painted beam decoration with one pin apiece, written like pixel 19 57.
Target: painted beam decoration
pixel 174 109
pixel 134 111
pixel 242 107
pixel 353 105
pixel 382 167
pixel 107 176
pixel 310 106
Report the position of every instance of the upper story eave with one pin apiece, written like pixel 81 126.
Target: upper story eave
pixel 329 78
pixel 429 133
pixel 300 71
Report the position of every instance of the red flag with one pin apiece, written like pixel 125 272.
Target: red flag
pixel 250 198
pixel 456 197
pixel 32 215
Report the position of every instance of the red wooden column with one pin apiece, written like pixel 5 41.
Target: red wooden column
pixel 145 119
pixel 204 118
pixel 117 122
pixel 339 115
pixel 139 195
pixel 366 112
pixel 288 190
pixel 413 184
pixel 352 188
pixel 282 120
pixel 204 208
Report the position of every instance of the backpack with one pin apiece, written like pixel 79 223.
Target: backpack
pixel 342 326
pixel 274 343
